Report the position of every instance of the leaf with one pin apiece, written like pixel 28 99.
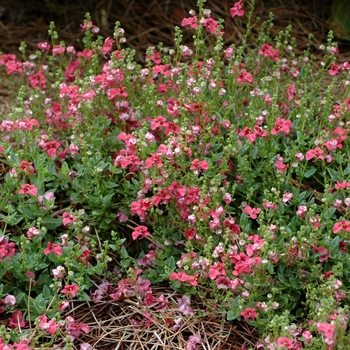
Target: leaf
pixel 334 245
pixel 11 219
pixel 327 214
pixel 255 151
pixel 335 175
pixel 51 223
pixel 232 314
pixel 310 171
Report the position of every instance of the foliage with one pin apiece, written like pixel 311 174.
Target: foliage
pixel 222 171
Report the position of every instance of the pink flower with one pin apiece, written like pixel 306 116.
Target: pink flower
pixel 33 232
pixel 192 342
pixel 218 269
pixel 16 319
pixel 70 289
pixel 199 165
pixel 287 197
pixel 343 184
pixel 68 219
pixel 341 226
pixel 281 167
pixel 183 277
pixel 244 77
pixel 317 153
pixel 28 189
pixel 47 197
pixel 301 212
pixel 236 10
pixel 324 253
pixel 59 272
pixel 285 343
pixel 43 46
pixel 191 21
pixel 9 300
pixel 57 50
pixel 130 160
pixel 27 167
pixel 49 326
pixel 38 80
pixel 281 125
pixel 140 232
pixel 154 159
pixel 158 122
pixel 6 249
pixel 252 212
pixel 51 148
pixel 326 328
pixel 249 313
pixel 53 248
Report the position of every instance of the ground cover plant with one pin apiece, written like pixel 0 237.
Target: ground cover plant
pixel 220 171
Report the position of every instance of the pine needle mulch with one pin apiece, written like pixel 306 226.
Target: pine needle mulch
pixel 121 325
pixel 146 23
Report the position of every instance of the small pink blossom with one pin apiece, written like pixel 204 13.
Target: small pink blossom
pixel 70 289
pixel 47 325
pixel 140 232
pixel 316 153
pixel 252 212
pixel 53 248
pixel 249 313
pixel 341 226
pixel 237 10
pixel 68 219
pixel 285 343
pixel 190 21
pixel 59 272
pixel 33 232
pixel 287 197
pixel 17 320
pixel 27 189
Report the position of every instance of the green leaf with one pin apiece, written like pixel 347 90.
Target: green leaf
pixel 310 171
pixel 51 223
pixel 232 314
pixel 327 214
pixel 14 157
pixel 11 219
pixel 335 175
pixel 334 245
pixel 64 169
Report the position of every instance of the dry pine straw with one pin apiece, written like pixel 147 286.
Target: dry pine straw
pixel 111 328
pixel 147 23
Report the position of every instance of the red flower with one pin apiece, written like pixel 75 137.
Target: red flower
pixel 191 21
pixel 28 189
pixel 16 319
pixel 236 10
pixel 53 248
pixel 249 313
pixel 140 232
pixel 27 167
pixel 341 226
pixel 71 289
pixel 68 218
pixel 199 165
pixel 281 125
pixel 48 325
pixel 218 269
pixel 317 153
pixel 245 77
pixel 252 212
pixel 285 343
pixel 51 148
